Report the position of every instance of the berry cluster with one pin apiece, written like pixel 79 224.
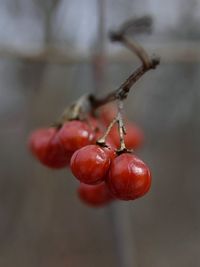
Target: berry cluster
pixel 105 172
pixel 98 148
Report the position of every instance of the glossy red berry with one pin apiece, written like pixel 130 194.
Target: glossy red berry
pixel 95 195
pixel 90 164
pixel 75 134
pixel 129 177
pixel 133 139
pixel 46 147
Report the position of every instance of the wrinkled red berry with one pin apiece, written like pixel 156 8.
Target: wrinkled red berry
pixel 90 164
pixel 94 195
pixel 75 134
pixel 46 147
pixel 129 177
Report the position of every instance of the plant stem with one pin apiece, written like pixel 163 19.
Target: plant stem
pixel 102 140
pixel 121 128
pixel 122 92
pixel 77 109
pixel 147 64
pixel 138 50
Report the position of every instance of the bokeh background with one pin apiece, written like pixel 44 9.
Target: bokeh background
pixel 46 55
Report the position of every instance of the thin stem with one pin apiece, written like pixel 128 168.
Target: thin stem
pixel 121 129
pixel 102 140
pixel 138 50
pixel 142 24
pixel 147 64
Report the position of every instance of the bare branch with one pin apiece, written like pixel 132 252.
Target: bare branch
pixel 123 90
pixel 147 64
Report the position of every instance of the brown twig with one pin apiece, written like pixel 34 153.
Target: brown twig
pixel 138 50
pixel 119 94
pixel 123 90
pixel 147 64
pixel 138 25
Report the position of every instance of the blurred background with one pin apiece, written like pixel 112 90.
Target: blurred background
pixel 46 53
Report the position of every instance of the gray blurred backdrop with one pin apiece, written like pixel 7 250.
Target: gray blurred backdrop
pixel 46 50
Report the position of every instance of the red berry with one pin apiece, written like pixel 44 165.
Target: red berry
pixel 75 134
pixel 45 146
pixel 90 164
pixel 133 139
pixel 107 113
pixel 94 195
pixel 129 177
pixel 110 150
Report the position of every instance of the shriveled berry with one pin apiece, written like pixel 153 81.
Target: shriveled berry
pixel 129 177
pixel 133 139
pixel 95 195
pixel 90 164
pixel 76 134
pixel 46 147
